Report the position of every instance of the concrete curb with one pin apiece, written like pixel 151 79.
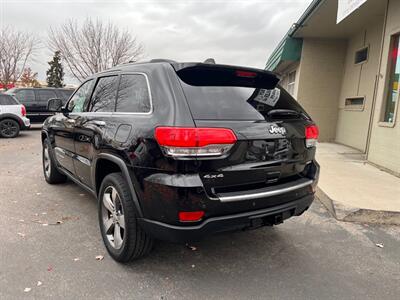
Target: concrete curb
pixel 359 215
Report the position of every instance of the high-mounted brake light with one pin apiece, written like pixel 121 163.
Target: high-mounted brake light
pixel 311 134
pixel 246 74
pixel 190 216
pixel 194 142
pixel 23 110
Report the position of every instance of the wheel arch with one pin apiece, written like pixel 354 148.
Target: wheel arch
pixel 105 164
pixel 13 117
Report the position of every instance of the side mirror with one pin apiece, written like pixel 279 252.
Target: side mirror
pixel 54 104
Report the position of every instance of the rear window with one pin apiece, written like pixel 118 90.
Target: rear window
pixel 8 100
pixel 65 94
pixel 236 103
pixel 45 95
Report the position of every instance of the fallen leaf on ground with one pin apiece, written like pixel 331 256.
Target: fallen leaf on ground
pixel 76 259
pixel 26 290
pixel 379 245
pixel 44 213
pixel 193 248
pixel 21 234
pixel 21 221
pixel 99 257
pixel 59 222
pixel 49 268
pixel 45 224
pixel 39 283
pixel 38 194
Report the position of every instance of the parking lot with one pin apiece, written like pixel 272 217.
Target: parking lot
pixel 50 240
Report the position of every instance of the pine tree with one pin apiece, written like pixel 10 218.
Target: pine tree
pixel 55 74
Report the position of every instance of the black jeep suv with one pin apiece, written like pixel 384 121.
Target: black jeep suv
pixel 35 100
pixel 178 151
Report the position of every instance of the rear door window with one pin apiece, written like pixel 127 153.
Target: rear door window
pixel 45 95
pixel 25 96
pixel 133 94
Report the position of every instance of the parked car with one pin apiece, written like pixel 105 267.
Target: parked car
pixel 12 117
pixel 35 100
pixel 178 151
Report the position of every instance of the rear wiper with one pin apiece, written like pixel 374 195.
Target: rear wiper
pixel 285 113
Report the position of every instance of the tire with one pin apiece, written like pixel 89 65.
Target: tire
pixel 9 128
pixel 50 171
pixel 117 210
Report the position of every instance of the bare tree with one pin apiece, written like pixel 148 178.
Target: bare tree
pixel 16 49
pixel 93 46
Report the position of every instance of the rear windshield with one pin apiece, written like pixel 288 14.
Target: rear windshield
pixel 237 103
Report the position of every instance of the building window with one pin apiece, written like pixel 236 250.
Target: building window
pixel 361 56
pixel 394 72
pixel 355 103
pixel 291 82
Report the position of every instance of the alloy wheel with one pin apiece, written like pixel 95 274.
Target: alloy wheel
pixel 113 217
pixel 8 129
pixel 46 161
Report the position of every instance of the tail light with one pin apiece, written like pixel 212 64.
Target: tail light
pixel 194 142
pixel 23 110
pixel 312 134
pixel 190 216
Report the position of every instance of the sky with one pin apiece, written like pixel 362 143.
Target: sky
pixel 230 31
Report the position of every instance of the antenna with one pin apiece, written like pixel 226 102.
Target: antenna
pixel 210 61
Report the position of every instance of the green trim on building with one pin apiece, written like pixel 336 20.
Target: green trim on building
pixel 289 49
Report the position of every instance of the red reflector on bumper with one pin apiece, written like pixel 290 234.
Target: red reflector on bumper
pixel 190 216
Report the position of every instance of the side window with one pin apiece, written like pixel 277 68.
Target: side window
pixel 393 86
pixel 133 94
pixel 76 104
pixel 7 100
pixel 45 95
pixel 25 96
pixel 105 92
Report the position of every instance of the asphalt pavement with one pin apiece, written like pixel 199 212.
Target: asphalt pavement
pixel 49 241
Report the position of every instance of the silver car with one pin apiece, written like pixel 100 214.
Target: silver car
pixel 12 117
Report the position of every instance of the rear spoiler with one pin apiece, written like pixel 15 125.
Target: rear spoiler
pixel 204 74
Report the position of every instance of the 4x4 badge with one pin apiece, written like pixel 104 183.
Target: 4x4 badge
pixel 274 129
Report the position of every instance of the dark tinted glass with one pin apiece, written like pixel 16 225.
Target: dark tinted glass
pixel 65 94
pixel 81 96
pixel 236 103
pixel 45 95
pixel 133 94
pixel 103 99
pixel 361 56
pixel 7 100
pixel 25 96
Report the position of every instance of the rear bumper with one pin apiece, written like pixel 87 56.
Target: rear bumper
pixel 247 220
pixel 26 123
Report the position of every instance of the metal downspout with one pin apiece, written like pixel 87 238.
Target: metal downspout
pixel 377 77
